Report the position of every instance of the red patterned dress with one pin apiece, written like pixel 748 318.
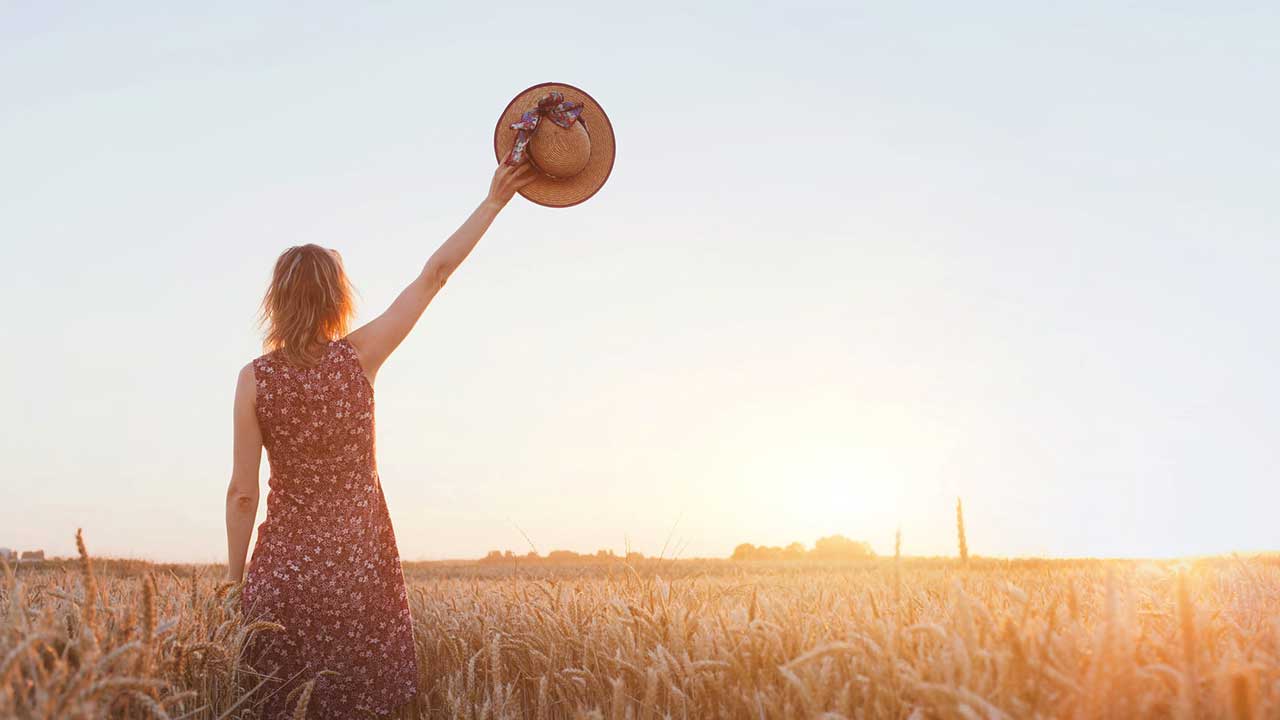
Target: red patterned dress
pixel 326 564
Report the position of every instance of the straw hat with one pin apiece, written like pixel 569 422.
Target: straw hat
pixel 570 143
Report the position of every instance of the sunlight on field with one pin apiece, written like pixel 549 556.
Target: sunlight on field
pixel 916 638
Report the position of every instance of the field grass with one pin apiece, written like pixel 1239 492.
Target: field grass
pixel 916 638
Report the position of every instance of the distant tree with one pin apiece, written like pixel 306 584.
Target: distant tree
pixel 493 556
pixel 747 551
pixel 532 555
pixel 562 556
pixel 835 547
pixel 839 547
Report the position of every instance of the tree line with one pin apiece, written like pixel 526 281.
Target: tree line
pixel 833 547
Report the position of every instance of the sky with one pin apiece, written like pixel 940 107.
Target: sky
pixel 855 260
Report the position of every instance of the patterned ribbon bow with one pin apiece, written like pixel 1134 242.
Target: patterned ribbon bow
pixel 553 107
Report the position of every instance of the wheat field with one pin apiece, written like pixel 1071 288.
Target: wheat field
pixel 882 638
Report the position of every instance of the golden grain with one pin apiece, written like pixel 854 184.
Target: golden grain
pixel 1030 638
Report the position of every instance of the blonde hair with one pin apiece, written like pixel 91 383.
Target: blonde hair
pixel 308 304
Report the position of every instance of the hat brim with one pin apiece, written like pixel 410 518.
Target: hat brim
pixel 561 192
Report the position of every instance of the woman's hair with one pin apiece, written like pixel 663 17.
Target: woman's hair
pixel 308 304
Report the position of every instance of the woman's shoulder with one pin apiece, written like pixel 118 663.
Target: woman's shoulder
pixel 276 362
pixel 247 383
pixel 264 360
pixel 351 352
pixel 267 365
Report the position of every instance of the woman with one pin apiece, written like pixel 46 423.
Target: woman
pixel 326 565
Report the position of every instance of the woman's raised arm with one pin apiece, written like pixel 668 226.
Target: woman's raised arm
pixel 375 341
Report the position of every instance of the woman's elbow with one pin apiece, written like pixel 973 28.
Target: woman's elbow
pixel 436 274
pixel 242 498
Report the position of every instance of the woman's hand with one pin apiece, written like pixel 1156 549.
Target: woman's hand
pixel 507 179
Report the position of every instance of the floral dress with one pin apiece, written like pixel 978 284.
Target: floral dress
pixel 326 564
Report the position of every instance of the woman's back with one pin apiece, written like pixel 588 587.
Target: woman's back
pixel 317 425
pixel 326 565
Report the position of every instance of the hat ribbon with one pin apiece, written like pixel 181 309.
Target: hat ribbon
pixel 551 106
